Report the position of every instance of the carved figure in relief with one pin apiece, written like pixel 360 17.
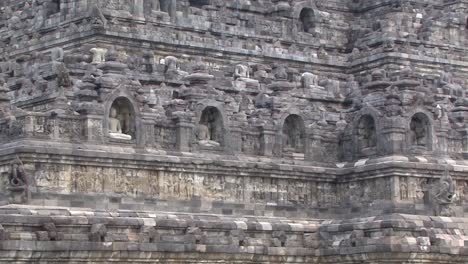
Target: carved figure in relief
pixel 5 105
pixel 203 132
pixel 242 78
pixel 352 86
pixel 313 85
pixel 114 123
pixel 241 71
pixel 124 184
pixel 442 195
pixel 309 80
pixel 446 77
pixel 449 84
pixel 153 183
pixel 209 129
pixel 293 139
pixel 420 187
pixel 418 132
pixel 17 176
pixel 464 192
pixel 98 179
pixel 187 189
pixel 96 17
pixel 80 183
pixel 171 63
pixel 404 188
pixel 460 192
pixel 261 73
pixel 63 76
pixel 118 5
pixel 238 190
pixel 214 186
pixel 280 73
pixel 99 55
pixel 57 54
pixel 172 69
pixel 334 88
pixel 169 185
pixel 115 126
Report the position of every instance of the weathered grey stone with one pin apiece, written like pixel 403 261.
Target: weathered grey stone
pixel 245 116
pixel 98 233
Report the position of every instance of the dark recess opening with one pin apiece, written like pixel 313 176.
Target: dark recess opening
pixel 199 3
pixel 53 7
pixel 307 18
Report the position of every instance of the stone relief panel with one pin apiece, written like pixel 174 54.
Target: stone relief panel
pixel 441 194
pixel 412 189
pixel 326 194
pixel 63 128
pixel 13 129
pixel 94 129
pixel 455 143
pixel 165 136
pixel 123 5
pixel 42 126
pixel 362 192
pixel 51 177
pixel 180 185
pixel 70 129
pixel 461 192
pixel 163 183
pixel 250 143
pixel 87 179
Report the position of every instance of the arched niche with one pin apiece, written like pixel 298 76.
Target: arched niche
pixel 293 135
pixel 121 122
pixel 210 131
pixel 53 7
pixel 166 6
pixel 420 132
pixel 199 3
pixel 366 134
pixel 307 19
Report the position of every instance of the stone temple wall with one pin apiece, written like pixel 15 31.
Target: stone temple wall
pixel 326 114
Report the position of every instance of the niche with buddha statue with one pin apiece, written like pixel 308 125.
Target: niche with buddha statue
pixel 210 131
pixel 121 122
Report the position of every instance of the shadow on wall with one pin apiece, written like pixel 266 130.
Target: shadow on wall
pixel 307 19
pixel 293 135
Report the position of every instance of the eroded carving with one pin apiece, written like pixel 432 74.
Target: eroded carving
pixel 367 134
pixel 442 195
pixel 121 120
pixel 98 233
pixel 419 134
pixel 210 128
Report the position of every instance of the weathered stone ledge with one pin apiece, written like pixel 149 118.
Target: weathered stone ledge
pixel 84 234
pixel 131 157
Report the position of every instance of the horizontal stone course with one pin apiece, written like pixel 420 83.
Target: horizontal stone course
pixel 211 131
pixel 396 233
